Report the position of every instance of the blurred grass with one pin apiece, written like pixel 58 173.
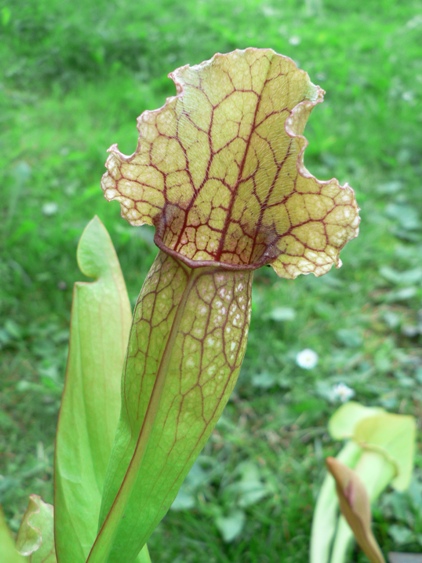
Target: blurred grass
pixel 73 79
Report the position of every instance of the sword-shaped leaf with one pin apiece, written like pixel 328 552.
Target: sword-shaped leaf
pixel 100 324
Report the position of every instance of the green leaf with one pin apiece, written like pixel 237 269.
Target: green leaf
pixel 381 449
pixel 324 522
pixel 231 525
pixel 400 534
pixel 407 216
pixel 8 551
pixel 343 422
pixel 250 488
pixel 263 380
pixel 281 314
pixel 36 533
pixel 100 324
pixel 394 436
pixel 407 277
pixel 186 346
pixel 183 501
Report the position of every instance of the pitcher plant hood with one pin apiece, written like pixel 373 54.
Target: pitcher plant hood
pixel 219 170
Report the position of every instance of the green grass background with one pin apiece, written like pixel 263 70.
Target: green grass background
pixel 74 77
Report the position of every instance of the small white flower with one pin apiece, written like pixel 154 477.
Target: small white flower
pixel 341 392
pixel 408 96
pixel 294 40
pixel 50 208
pixel 307 359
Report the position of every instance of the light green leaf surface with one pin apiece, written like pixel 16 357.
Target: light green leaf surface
pixel 343 422
pixel 231 525
pixel 100 324
pixel 8 551
pixel 380 453
pixel 325 521
pixel 36 533
pixel 326 527
pixel 394 436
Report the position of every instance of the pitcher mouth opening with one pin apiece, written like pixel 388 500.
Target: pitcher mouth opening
pixel 232 251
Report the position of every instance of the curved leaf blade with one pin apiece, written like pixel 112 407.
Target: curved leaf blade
pixel 100 324
pixel 324 523
pixel 343 422
pixel 36 533
pixel 394 436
